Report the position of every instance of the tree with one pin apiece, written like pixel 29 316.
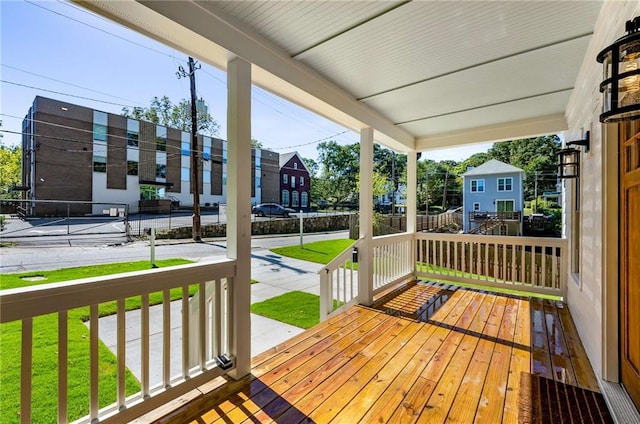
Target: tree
pixel 255 144
pixel 10 171
pixel 162 111
pixel 340 165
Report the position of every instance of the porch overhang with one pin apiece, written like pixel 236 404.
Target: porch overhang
pixel 423 75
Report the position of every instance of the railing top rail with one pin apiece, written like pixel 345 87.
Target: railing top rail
pixel 380 240
pixel 475 238
pixel 16 304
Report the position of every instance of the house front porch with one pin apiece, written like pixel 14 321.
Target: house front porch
pixel 473 359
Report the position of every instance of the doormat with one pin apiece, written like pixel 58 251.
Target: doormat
pixel 543 401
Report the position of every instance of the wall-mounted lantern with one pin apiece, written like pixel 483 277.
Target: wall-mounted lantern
pixel 620 87
pixel 569 157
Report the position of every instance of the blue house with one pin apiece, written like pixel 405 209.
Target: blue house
pixel 493 199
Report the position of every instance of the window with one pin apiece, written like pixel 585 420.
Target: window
pixel 304 197
pixel 285 198
pixel 476 206
pixel 477 186
pixel 161 138
pixel 161 171
pixel 505 205
pixel 132 139
pixel 206 154
pixel 294 199
pixel 301 181
pixel 184 148
pixel 295 165
pixel 285 178
pixel 133 131
pixel 99 126
pixel 206 177
pixel 99 164
pixel 184 174
pixel 293 181
pixel 132 167
pixel 505 184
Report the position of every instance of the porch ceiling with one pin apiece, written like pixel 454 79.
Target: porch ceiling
pixel 423 74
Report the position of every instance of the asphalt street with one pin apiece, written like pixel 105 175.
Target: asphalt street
pixel 34 258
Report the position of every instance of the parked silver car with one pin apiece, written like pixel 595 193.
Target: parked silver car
pixel 271 209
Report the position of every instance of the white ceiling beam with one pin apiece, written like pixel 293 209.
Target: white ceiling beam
pixel 551 124
pixel 191 28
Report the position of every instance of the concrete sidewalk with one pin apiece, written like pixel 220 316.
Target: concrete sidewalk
pixel 275 274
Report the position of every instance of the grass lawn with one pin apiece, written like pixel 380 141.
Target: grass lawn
pixel 321 252
pixel 296 308
pixel 45 349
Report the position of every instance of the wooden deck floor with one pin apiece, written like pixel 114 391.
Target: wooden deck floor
pixel 462 365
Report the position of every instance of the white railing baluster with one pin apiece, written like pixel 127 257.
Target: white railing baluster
pixel 495 262
pixel 202 328
pixel 145 345
pixel 185 331
pixel 166 338
pixel 94 362
pixel 122 348
pixel 513 263
pixel 63 357
pixel 543 270
pixel 26 361
pixel 217 296
pixel 555 282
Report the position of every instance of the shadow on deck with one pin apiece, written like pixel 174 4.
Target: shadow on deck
pixel 477 357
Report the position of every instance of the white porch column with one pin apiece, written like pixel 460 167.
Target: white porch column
pixel 239 208
pixel 412 172
pixel 365 265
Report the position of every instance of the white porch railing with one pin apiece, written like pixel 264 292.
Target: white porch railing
pixel 213 338
pixel 339 283
pixel 393 260
pixel 530 264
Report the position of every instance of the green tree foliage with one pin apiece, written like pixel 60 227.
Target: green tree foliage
pixel 255 144
pixel 536 156
pixel 162 111
pixel 340 166
pixel 10 171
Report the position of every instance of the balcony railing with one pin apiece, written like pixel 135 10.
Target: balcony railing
pixel 528 264
pixel 215 332
pixel 499 216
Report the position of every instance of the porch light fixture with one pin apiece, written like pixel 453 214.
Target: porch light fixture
pixel 621 85
pixel 570 158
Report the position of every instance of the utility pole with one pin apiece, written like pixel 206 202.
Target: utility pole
pixel 444 190
pixel 535 209
pixel 195 175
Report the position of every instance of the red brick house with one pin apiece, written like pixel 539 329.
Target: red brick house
pixel 295 182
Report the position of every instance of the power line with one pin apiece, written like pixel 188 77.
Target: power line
pixel 64 94
pixel 311 142
pixel 64 82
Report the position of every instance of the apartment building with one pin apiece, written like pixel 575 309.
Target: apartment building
pixel 75 153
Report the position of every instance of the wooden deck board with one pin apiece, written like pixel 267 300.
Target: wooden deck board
pixel 462 365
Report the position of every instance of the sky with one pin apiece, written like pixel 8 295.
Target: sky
pixel 59 50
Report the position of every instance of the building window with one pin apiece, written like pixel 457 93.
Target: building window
pixel 206 154
pixel 505 184
pixel 285 198
pixel 133 132
pixel 285 178
pixel 476 206
pixel 294 199
pixel 301 181
pixel 100 126
pixel 304 197
pixel 161 171
pixel 505 205
pixel 132 167
pixel 293 181
pixel 295 165
pixel 99 164
pixel 161 138
pixel 477 186
pixel 184 148
pixel 184 174
pixel 206 177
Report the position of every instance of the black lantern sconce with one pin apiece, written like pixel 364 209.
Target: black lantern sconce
pixel 569 157
pixel 621 85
